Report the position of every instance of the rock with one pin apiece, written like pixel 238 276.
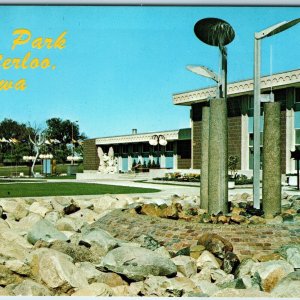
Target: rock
pixel 18 267
pixel 89 271
pixel 271 272
pixel 103 203
pixel 288 287
pixel 52 217
pixel 230 262
pixel 196 250
pixel 105 242
pixel 40 208
pixel 237 218
pixel 136 288
pixel 148 242
pixel 11 250
pixel 235 284
pixel 245 268
pixel 94 289
pixel 291 253
pixel 44 230
pixel 69 224
pixel 20 211
pixel 262 257
pixel 274 221
pixel 215 244
pixel 186 265
pixel 223 219
pixel 137 263
pixel 220 277
pixel 57 270
pixel 151 210
pixel 3 225
pixel 8 277
pixel 207 287
pixel 183 251
pixel 230 292
pixel 28 222
pixel 77 252
pixel 162 286
pixel 257 220
pixel 163 252
pixel 121 290
pixel 31 288
pixel 85 215
pixel 237 210
pixel 170 212
pixel 70 209
pixel 207 259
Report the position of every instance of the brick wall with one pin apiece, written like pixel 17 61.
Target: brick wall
pixel 235 137
pixel 234 140
pixel 174 235
pixel 90 156
pixel 183 163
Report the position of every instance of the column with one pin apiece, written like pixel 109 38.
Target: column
pixel 271 193
pixel 204 157
pixel 218 157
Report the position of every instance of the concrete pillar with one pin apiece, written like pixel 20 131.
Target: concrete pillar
pixel 204 157
pixel 244 143
pixel 130 161
pixel 218 157
pixel 175 156
pixel 271 193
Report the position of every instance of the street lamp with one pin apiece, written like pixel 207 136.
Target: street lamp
pixel 257 100
pixel 72 161
pixel 157 140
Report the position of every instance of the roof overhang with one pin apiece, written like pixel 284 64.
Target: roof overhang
pixel 137 138
pixel 244 87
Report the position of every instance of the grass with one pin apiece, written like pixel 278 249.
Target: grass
pixel 65 189
pixel 168 183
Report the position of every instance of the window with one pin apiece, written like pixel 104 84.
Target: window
pixel 135 148
pixel 251 140
pixel 170 146
pixel 145 147
pixel 125 149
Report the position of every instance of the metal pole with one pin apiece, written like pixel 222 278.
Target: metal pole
pixel 256 126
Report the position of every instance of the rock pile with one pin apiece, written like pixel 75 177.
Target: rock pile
pixel 241 210
pixel 50 247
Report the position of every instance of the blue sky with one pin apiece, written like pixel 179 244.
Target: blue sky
pixel 121 65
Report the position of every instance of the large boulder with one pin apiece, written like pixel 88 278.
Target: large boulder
pixel 169 287
pixel 185 265
pixel 104 241
pixel 12 250
pixel 215 244
pixel 69 224
pixel 288 287
pixel 31 288
pixel 137 263
pixel 44 230
pixel 271 272
pixel 207 259
pixel 40 208
pixel 56 270
pixel 8 277
pixel 291 253
pixel 85 215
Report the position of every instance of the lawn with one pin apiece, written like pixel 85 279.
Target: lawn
pixel 65 189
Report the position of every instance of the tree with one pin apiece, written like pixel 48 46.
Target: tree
pixel 17 144
pixel 68 134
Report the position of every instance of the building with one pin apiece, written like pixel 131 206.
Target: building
pixel 184 145
pixel 135 148
pixel 286 89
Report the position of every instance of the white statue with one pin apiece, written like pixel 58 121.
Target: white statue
pixel 107 163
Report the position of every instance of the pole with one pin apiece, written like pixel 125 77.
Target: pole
pixel 298 179
pixel 256 126
pixel 72 161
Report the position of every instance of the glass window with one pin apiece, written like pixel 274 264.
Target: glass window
pixel 135 148
pixel 170 146
pixel 297 119
pixel 145 147
pixel 125 149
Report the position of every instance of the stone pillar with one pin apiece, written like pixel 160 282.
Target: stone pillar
pixel 218 157
pixel 162 160
pixel 204 157
pixel 271 193
pixel 175 156
pixel 130 161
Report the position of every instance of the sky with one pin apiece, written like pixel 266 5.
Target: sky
pixel 120 65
